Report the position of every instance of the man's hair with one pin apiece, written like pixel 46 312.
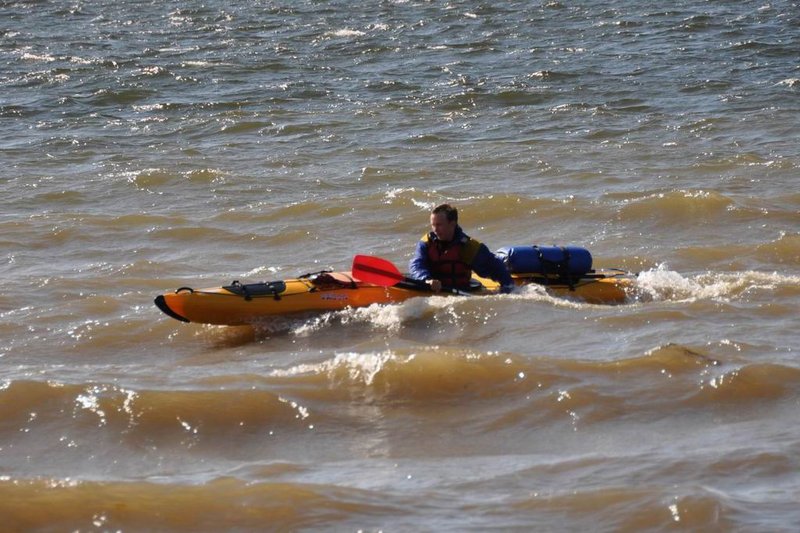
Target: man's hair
pixel 449 211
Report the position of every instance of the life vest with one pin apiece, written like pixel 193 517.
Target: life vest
pixel 451 262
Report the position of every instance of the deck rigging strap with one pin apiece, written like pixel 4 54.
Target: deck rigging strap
pixel 251 290
pixel 558 268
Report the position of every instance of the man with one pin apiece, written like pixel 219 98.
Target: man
pixel 447 256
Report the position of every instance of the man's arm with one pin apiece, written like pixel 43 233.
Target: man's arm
pixel 488 265
pixel 418 266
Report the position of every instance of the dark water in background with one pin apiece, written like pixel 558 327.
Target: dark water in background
pixel 146 145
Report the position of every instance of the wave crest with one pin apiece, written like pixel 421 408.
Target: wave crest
pixel 663 284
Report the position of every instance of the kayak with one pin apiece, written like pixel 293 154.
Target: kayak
pixel 372 281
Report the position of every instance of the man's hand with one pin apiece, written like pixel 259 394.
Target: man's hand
pixel 434 284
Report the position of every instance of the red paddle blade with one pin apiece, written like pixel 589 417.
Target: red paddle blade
pixel 376 270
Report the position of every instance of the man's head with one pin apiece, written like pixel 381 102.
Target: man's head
pixel 444 219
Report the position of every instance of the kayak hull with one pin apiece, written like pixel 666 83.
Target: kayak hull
pixel 239 304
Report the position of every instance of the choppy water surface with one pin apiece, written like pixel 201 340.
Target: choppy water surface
pixel 149 145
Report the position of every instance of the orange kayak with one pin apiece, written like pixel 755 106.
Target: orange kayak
pixel 239 304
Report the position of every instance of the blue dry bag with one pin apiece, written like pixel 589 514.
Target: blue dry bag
pixel 559 260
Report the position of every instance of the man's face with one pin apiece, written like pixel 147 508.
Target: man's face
pixel 443 228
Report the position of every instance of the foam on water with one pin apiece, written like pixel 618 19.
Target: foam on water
pixel 360 367
pixel 663 284
pixel 385 317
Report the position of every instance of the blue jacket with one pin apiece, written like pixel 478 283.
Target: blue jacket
pixel 484 262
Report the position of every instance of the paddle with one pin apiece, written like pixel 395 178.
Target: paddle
pixel 379 271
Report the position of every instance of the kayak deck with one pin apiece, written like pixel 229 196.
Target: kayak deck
pixel 239 304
